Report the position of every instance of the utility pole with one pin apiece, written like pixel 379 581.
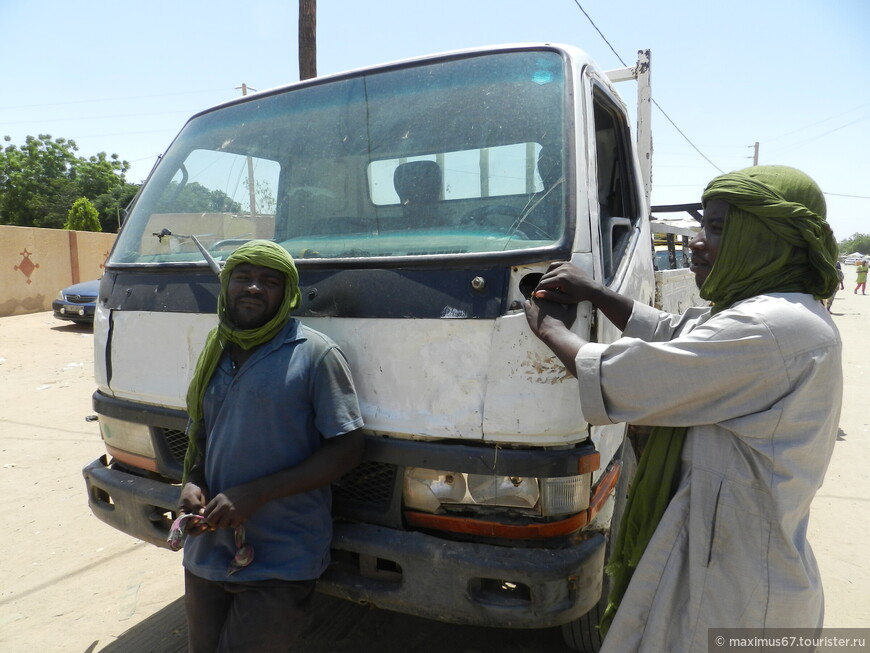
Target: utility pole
pixel 307 39
pixel 252 195
pixel 755 155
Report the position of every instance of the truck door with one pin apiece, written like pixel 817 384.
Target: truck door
pixel 624 258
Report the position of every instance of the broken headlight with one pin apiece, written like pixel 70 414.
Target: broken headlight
pixel 430 490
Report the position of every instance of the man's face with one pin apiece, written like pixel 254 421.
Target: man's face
pixel 705 245
pixel 254 295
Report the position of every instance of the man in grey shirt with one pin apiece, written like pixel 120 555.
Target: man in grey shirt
pixel 744 430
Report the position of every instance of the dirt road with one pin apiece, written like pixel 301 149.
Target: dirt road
pixel 70 583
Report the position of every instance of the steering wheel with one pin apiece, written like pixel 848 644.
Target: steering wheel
pixel 501 217
pixel 228 242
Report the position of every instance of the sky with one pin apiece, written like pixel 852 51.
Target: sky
pixel 123 77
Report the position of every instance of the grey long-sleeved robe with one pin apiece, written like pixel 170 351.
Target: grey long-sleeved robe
pixel 760 386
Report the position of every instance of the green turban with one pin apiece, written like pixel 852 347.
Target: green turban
pixel 775 238
pixel 256 252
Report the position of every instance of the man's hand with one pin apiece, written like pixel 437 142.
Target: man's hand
pixel 551 323
pixel 565 283
pixel 192 501
pixel 545 317
pixel 231 508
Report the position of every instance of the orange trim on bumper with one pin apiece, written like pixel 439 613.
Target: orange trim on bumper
pixel 602 491
pixel 497 529
pixel 133 459
pixel 589 463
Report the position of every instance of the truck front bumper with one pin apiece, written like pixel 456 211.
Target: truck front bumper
pixel 464 582
pixel 132 504
pixel 404 571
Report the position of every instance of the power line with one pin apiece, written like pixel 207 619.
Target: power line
pixel 818 122
pixel 118 116
pixel 104 100
pixel 680 131
pixel 791 148
pixel 592 22
pixel 657 105
pixel 858 197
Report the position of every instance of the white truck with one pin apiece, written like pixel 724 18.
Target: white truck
pixel 422 200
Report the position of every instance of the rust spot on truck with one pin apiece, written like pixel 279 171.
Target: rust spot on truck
pixel 544 369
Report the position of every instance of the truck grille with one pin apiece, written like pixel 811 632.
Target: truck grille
pixel 368 488
pixel 177 443
pixel 369 482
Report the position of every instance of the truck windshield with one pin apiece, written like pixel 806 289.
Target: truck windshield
pixel 452 156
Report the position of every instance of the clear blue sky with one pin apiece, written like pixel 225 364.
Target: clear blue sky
pixel 123 77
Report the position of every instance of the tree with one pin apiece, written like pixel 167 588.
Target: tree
pixel 264 196
pixel 41 179
pixel 195 198
pixel 112 205
pixel 856 243
pixel 82 216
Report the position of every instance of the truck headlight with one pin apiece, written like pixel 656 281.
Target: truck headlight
pixel 565 495
pixel 429 490
pixel 513 491
pixel 121 436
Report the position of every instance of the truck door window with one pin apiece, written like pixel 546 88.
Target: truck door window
pixel 492 172
pixel 617 187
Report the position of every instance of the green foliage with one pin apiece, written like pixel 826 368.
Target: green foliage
pixel 41 179
pixel 856 243
pixel 83 216
pixel 264 198
pixel 195 198
pixel 111 205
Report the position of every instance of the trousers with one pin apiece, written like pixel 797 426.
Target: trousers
pixel 254 617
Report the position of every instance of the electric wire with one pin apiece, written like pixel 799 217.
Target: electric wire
pixel 792 148
pixel 857 197
pixel 657 105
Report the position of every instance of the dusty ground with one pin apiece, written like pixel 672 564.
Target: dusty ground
pixel 70 583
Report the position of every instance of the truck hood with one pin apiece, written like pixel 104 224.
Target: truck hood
pixel 469 379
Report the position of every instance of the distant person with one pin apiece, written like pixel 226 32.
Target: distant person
pixel 829 302
pixel 274 420
pixel 862 278
pixel 714 531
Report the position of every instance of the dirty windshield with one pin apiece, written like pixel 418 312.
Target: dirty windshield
pixel 452 157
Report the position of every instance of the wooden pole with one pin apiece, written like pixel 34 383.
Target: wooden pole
pixel 307 39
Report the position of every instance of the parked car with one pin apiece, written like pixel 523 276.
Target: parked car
pixel 854 260
pixel 77 302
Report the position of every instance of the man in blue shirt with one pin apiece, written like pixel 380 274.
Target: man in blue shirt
pixel 274 420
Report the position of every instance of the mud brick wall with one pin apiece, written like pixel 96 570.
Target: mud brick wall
pixel 35 264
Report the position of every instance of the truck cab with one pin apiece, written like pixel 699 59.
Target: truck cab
pixel 421 200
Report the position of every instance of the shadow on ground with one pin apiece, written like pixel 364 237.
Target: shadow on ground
pixel 68 326
pixel 337 626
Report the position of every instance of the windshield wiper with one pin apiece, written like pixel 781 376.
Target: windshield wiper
pixel 212 263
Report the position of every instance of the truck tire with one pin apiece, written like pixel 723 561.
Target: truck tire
pixel 582 633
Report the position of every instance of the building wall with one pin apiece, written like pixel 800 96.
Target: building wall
pixel 35 264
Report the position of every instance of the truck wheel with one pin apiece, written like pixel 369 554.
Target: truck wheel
pixel 582 634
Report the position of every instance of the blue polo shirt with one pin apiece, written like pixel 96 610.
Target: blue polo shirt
pixel 268 416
